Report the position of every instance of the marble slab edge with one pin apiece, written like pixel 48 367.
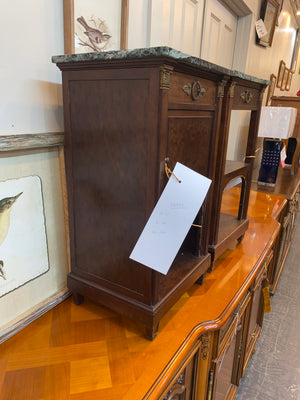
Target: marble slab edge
pixel 152 52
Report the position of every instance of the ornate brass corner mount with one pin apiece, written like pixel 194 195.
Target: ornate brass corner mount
pixel 165 73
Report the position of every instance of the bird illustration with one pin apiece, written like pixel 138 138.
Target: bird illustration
pixel 5 209
pixel 94 35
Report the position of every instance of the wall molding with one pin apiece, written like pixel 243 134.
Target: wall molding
pixel 238 7
pixel 31 141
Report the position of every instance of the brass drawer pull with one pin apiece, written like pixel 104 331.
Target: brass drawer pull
pixel 195 90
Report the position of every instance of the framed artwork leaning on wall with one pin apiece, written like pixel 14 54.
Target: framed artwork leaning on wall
pixel 269 14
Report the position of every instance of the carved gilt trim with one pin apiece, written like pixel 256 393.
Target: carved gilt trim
pixel 231 89
pixel 221 88
pixel 165 73
pixel 205 346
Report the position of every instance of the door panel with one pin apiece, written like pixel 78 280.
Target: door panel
pixel 219 34
pixel 192 21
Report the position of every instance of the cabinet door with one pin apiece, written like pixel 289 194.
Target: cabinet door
pixel 188 140
pixel 256 313
pixel 191 138
pixel 224 388
pixel 229 350
pixel 191 381
pixel 182 386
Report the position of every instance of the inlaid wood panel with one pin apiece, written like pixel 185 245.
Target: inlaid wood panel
pixel 118 145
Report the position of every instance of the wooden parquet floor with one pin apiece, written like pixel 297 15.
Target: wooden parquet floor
pixel 68 353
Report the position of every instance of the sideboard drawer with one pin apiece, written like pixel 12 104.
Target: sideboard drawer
pixel 192 90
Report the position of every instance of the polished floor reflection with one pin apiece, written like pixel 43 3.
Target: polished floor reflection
pixel 273 372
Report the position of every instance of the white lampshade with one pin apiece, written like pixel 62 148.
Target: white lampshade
pixel 277 122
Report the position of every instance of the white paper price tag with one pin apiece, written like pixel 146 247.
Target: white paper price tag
pixel 261 29
pixel 171 219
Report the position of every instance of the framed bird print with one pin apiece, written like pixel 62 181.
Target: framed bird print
pixel 95 25
pixel 23 241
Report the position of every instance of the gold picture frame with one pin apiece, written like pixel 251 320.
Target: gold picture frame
pixel 269 14
pixel 284 78
pixel 281 68
pixel 69 25
pixel 289 80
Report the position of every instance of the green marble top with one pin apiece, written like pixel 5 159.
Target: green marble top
pixel 150 52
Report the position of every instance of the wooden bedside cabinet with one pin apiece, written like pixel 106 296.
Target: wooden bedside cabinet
pixel 125 118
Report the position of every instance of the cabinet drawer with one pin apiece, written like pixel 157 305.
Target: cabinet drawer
pixel 245 97
pixel 191 90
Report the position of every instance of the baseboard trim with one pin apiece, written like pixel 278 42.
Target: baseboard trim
pixel 34 314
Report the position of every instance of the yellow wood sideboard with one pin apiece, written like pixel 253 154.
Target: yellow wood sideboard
pixel 202 348
pixel 220 321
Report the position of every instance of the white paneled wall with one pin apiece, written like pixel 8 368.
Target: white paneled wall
pixel 137 26
pixel 174 23
pixel 30 96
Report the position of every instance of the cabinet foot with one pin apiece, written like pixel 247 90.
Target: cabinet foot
pixel 240 239
pixel 78 298
pixel 151 331
pixel 201 280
